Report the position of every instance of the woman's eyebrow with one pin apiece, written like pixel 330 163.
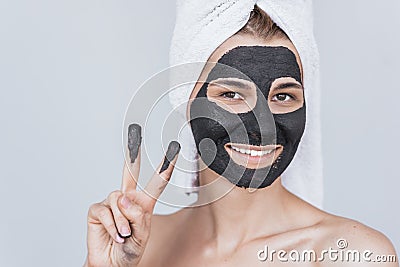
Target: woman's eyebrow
pixel 288 85
pixel 232 83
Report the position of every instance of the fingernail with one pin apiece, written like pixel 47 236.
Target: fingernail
pixel 134 140
pixel 125 231
pixel 119 239
pixel 173 149
pixel 125 202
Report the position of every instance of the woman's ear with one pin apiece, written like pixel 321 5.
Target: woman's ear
pixel 191 97
pixel 197 88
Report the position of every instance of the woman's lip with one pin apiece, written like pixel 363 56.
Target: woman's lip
pixel 253 157
pixel 251 147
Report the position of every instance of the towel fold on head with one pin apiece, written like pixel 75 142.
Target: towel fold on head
pixel 201 26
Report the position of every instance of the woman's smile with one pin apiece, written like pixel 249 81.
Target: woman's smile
pixel 253 157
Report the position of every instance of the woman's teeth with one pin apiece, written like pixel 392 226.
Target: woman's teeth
pixel 251 152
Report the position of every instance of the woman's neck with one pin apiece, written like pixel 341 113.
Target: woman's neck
pixel 238 215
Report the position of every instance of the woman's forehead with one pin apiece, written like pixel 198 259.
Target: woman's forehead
pixel 248 40
pixel 260 64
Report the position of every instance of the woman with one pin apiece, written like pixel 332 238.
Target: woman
pixel 258 214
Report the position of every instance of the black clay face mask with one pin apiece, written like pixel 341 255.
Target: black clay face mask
pixel 214 127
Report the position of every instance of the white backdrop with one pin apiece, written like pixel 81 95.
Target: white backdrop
pixel 68 70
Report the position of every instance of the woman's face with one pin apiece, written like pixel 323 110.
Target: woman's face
pixel 247 111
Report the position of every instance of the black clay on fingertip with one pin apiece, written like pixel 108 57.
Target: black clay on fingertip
pixel 134 140
pixel 173 150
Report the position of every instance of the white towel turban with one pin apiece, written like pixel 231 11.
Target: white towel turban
pixel 201 26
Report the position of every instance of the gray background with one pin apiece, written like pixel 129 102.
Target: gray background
pixel 69 68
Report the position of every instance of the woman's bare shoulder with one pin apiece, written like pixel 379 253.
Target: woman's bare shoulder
pixel 167 222
pixel 343 233
pixel 163 229
pixel 163 226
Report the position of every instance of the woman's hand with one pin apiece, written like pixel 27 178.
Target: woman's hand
pixel 119 226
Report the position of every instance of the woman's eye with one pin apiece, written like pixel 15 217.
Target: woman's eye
pixel 232 95
pixel 282 97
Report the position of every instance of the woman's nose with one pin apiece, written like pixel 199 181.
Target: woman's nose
pixel 263 123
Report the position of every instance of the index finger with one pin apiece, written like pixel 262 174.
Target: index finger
pixel 131 169
pixel 160 179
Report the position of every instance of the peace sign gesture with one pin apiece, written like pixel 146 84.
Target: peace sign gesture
pixel 119 226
